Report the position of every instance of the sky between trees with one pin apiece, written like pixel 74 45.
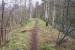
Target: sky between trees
pixel 11 2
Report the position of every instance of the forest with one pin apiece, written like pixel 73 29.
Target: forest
pixel 37 25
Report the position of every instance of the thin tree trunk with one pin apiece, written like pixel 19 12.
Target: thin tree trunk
pixel 1 36
pixel 30 8
pixel 54 14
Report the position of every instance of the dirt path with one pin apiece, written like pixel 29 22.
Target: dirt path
pixel 34 32
pixel 34 36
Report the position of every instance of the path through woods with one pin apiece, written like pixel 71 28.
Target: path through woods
pixel 34 32
pixel 32 36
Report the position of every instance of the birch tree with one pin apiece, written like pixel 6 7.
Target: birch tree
pixel 54 13
pixel 46 13
pixel 30 8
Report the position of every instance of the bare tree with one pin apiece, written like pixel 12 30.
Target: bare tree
pixel 54 13
pixel 2 22
pixel 30 8
pixel 66 25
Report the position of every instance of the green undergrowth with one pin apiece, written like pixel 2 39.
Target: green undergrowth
pixel 46 46
pixel 21 40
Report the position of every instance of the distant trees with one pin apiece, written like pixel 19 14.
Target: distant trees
pixel 51 10
pixel 11 16
pixel 61 16
pixel 19 12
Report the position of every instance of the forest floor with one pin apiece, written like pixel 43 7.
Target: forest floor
pixel 35 36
